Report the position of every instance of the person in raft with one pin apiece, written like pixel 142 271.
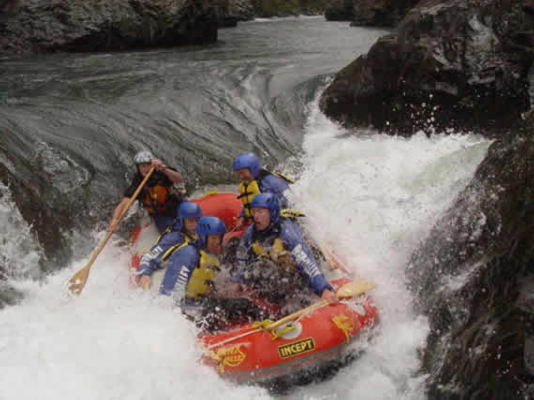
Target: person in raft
pixel 183 232
pixel 280 241
pixel 159 196
pixel 255 180
pixel 190 276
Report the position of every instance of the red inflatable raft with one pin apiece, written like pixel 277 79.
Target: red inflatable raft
pixel 250 353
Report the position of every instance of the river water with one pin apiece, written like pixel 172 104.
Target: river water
pixel 80 118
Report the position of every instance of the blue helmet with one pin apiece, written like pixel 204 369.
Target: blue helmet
pixel 269 201
pixel 209 226
pixel 188 209
pixel 249 161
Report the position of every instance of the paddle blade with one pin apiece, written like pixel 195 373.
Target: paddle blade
pixel 78 280
pixel 354 288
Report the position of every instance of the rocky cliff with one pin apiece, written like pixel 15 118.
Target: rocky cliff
pixel 474 278
pixel 282 8
pixel 380 12
pixel 84 25
pixel 453 64
pixel 369 12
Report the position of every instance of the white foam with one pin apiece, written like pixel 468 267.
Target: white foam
pixel 20 253
pixel 373 199
pixel 111 342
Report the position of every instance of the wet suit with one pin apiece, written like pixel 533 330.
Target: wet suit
pixel 170 240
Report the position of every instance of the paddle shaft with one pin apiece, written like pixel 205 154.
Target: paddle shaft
pixel 121 216
pixel 76 287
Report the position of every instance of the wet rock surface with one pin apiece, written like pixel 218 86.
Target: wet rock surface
pixel 50 221
pixel 380 12
pixel 284 8
pixel 8 295
pixel 340 10
pixel 453 64
pixel 30 26
pixel 473 277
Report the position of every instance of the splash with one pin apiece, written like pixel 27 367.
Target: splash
pixel 21 254
pixel 111 342
pixel 371 199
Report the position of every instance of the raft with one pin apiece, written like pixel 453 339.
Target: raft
pixel 251 354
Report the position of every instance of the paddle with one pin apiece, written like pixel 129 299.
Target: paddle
pixel 76 284
pixel 346 291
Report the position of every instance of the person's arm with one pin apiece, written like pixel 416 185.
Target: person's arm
pixel 305 262
pixel 181 266
pixel 173 175
pixel 152 260
pixel 113 225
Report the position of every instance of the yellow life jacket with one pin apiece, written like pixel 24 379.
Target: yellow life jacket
pixel 188 239
pixel 155 198
pixel 277 253
pixel 201 281
pixel 247 191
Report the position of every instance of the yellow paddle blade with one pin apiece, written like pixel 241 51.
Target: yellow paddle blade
pixel 78 280
pixel 354 288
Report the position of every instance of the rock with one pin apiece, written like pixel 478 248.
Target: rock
pixel 8 295
pixel 380 12
pixel 529 355
pixel 49 220
pixel 243 10
pixel 340 10
pixel 88 25
pixel 230 12
pixel 453 64
pixel 468 276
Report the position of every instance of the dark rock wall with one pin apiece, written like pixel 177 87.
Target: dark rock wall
pixel 386 13
pixel 49 220
pixel 340 10
pixel 380 12
pixel 283 8
pixel 87 25
pixel 453 64
pixel 474 277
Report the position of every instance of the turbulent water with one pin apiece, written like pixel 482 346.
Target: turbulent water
pixel 370 198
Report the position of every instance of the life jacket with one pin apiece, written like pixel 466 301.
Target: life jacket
pixel 155 199
pixel 201 281
pixel 247 191
pixel 188 239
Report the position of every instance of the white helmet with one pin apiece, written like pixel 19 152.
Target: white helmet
pixel 144 156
